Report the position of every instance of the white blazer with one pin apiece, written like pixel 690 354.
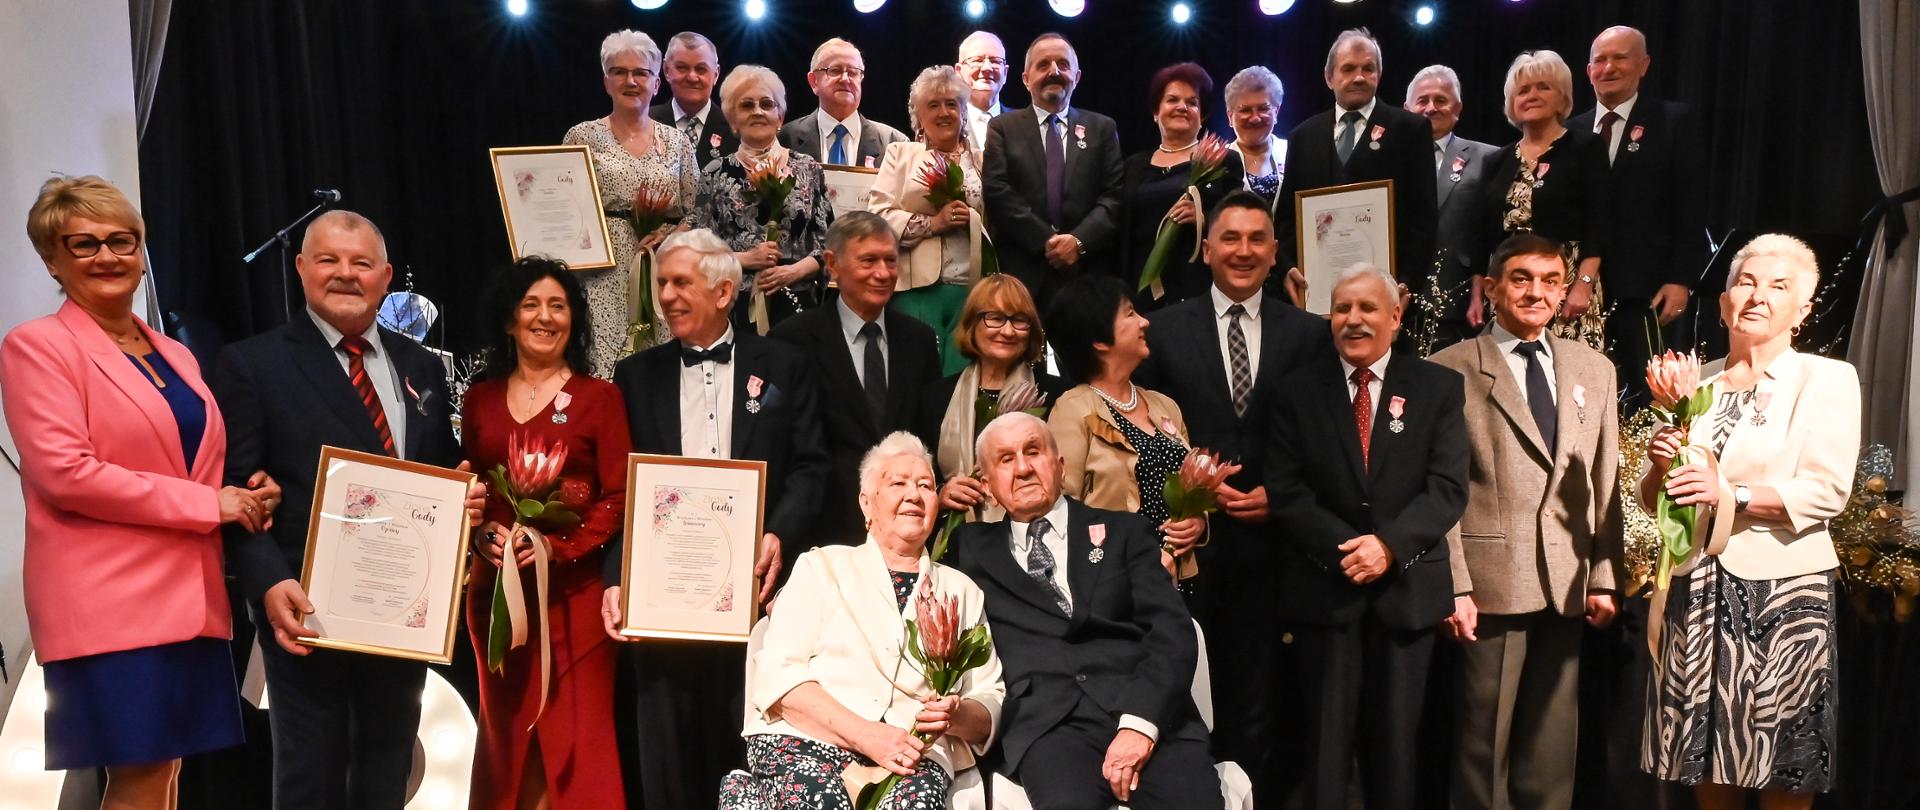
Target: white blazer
pixel 838 624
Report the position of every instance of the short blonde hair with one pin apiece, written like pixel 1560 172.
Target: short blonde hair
pixel 896 444
pixel 1004 293
pixel 939 81
pixel 63 198
pixel 629 41
pixel 743 76
pixel 1779 246
pixel 1531 65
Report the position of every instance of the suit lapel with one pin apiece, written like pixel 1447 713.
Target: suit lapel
pixel 409 371
pixel 1337 408
pixel 129 379
pixel 1205 334
pixel 870 146
pixel 1381 443
pixel 1070 144
pixel 746 360
pixel 1508 397
pixel 997 558
pixel 1444 175
pixel 663 397
pixel 178 357
pixel 1083 574
pixel 321 366
pixel 1569 392
pixel 831 343
pixel 898 392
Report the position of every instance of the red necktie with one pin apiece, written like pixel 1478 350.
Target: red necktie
pixel 355 346
pixel 1363 409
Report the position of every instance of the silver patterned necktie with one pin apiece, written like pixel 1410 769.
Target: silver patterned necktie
pixel 1237 357
pixel 690 127
pixel 1040 564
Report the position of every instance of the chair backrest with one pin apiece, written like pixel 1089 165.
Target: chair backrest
pixel 1202 683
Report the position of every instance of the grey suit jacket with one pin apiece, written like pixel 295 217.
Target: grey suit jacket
pixel 1458 191
pixel 803 135
pixel 1540 530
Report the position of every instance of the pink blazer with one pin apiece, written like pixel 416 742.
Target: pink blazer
pixel 122 541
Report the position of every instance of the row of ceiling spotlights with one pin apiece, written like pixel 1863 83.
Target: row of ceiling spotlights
pixel 1180 12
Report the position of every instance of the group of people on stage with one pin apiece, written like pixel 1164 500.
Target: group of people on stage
pixel 1373 499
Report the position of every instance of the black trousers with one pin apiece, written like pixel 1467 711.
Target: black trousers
pixel 1061 769
pixel 1364 686
pixel 687 698
pixel 1254 694
pixel 343 725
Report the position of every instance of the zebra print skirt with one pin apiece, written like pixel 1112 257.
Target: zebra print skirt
pixel 1744 691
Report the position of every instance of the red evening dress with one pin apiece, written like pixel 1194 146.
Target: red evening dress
pixel 577 745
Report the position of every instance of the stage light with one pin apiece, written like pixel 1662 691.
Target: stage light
pixel 1274 8
pixel 976 9
pixel 1068 8
pixel 648 5
pixel 517 8
pixel 1346 2
pixel 756 9
pixel 1181 13
pixel 1423 16
pixel 868 6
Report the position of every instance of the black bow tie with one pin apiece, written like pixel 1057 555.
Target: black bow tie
pixel 722 353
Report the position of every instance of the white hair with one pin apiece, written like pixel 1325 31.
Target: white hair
pixel 629 41
pixel 691 41
pixel 1373 271
pixel 1255 79
pixel 1379 59
pixel 711 255
pixel 347 221
pixel 744 76
pixel 1441 72
pixel 977 36
pixel 836 42
pixel 939 81
pixel 1007 420
pixel 896 444
pixel 1783 247
pixel 1532 65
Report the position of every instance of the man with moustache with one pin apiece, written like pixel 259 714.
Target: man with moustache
pixel 1460 169
pixel 1221 357
pixel 983 64
pixel 343 723
pixel 712 392
pixel 837 134
pixel 1052 177
pixel 1366 471
pixel 1655 199
pixel 1362 139
pixel 1539 546
pixel 692 68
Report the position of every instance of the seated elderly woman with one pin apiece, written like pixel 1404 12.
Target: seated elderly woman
pixel 833 686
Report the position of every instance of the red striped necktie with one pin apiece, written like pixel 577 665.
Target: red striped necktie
pixel 355 346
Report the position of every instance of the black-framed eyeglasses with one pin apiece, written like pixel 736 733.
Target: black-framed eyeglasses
pixel 87 246
pixel 623 74
pixel 994 320
pixel 841 71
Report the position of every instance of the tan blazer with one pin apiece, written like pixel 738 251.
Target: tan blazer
pixel 1097 457
pixel 897 195
pixel 1540 531
pixel 838 624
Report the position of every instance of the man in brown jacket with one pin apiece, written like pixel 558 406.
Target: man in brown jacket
pixel 1539 545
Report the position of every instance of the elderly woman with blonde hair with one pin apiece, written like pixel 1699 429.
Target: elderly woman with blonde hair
pixel 1742 697
pixel 833 685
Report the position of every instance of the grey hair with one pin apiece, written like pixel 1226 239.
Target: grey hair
pixel 742 76
pixel 1379 59
pixel 1373 271
pixel 896 444
pixel 1441 72
pixel 939 81
pixel 1252 79
pixel 1007 420
pixel 347 221
pixel 1027 59
pixel 980 35
pixel 1532 64
pixel 714 258
pixel 1639 39
pixel 627 40
pixel 856 225
pixel 1778 246
pixel 821 52
pixel 691 40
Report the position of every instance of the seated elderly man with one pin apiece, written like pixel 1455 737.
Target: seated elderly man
pixel 833 684
pixel 1098 648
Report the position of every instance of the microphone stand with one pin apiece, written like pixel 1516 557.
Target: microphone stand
pixel 283 239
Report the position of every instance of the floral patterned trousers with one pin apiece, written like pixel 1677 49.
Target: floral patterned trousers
pixel 790 773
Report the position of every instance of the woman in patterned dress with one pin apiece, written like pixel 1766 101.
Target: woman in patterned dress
pixel 1742 693
pixel 1253 104
pixel 782 274
pixel 631 152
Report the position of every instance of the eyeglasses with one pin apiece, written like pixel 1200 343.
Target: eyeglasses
pixel 980 61
pixel 748 104
pixel 841 72
pixel 1254 109
pixel 624 74
pixel 87 246
pixel 995 320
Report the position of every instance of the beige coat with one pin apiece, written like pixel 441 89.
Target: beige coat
pixel 1539 532
pixel 897 195
pixel 1097 457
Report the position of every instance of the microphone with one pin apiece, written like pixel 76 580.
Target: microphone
pixel 327 195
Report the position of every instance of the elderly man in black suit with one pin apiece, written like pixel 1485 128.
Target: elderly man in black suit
pixel 1460 169
pixel 1656 201
pixel 343 723
pixel 692 69
pixel 1052 176
pixel 838 134
pixel 870 363
pixel 1098 651
pixel 1363 139
pixel 1366 472
pixel 712 392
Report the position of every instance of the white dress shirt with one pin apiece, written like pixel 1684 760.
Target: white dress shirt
pixel 1366 116
pixel 826 123
pixel 1517 362
pixel 1440 147
pixel 386 379
pixel 1249 326
pixel 700 115
pixel 977 123
pixel 1373 386
pixel 706 406
pixel 1620 129
pixel 850 324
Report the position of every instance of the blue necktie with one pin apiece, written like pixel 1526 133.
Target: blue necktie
pixel 837 154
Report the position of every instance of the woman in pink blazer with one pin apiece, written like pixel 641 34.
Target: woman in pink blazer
pixel 121 451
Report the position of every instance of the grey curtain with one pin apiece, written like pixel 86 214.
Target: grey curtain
pixel 1883 328
pixel 149 42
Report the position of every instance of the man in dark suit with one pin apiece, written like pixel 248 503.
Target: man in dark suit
pixel 713 392
pixel 1363 139
pixel 1098 650
pixel 1366 472
pixel 1052 177
pixel 692 68
pixel 1221 357
pixel 343 723
pixel 1460 169
pixel 837 134
pixel 869 360
pixel 1655 199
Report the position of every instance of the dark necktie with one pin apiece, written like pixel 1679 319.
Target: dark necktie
pixel 837 154
pixel 690 127
pixel 1539 396
pixel 1363 409
pixel 1241 375
pixel 356 347
pixel 1349 134
pixel 721 353
pixel 874 373
pixel 1040 564
pixel 1056 169
pixel 1606 131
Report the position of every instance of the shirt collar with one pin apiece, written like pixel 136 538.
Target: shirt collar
pixel 826 121
pixel 1625 110
pixel 1221 302
pixel 993 110
pixel 1056 518
pixel 333 335
pixel 701 114
pixel 1066 113
pixel 1508 341
pixel 1379 367
pixel 850 321
pixel 1366 113
pixel 1445 142
pixel 726 337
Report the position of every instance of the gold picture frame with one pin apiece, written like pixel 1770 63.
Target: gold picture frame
pixel 550 211
pixel 685 569
pixel 1337 226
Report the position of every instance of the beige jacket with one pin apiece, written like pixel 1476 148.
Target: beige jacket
pixel 1097 457
pixel 1539 531
pixel 897 195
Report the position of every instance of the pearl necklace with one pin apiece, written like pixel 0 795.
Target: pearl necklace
pixel 1176 150
pixel 1133 398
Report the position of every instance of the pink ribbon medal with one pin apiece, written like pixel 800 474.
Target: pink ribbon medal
pixel 1097 534
pixel 1396 408
pixel 1634 137
pixel 1080 135
pixel 1373 138
pixel 754 386
pixel 560 403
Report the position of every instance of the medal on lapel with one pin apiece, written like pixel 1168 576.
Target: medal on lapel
pixel 1097 534
pixel 1634 137
pixel 1459 164
pixel 1761 398
pixel 560 403
pixel 1540 175
pixel 1395 408
pixel 754 384
pixel 713 146
pixel 419 400
pixel 1580 401
pixel 1080 135
pixel 1374 141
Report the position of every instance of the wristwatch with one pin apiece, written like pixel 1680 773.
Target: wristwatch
pixel 1741 497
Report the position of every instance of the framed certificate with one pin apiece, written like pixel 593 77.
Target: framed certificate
pixel 847 187
pixel 551 200
pixel 386 548
pixel 692 528
pixel 1339 226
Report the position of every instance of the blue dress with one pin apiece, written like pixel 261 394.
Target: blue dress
pixel 153 704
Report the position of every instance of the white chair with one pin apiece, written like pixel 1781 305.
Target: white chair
pixel 1236 790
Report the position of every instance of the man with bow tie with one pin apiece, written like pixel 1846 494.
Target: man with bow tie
pixel 711 392
pixel 691 67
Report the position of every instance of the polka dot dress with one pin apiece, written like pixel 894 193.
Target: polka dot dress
pixel 1160 456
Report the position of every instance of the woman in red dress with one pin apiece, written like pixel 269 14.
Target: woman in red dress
pixel 536 387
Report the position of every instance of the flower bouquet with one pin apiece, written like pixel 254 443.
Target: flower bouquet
pixel 946 182
pixel 652 208
pixel 1207 165
pixel 1193 491
pixel 770 182
pixel 1678 399
pixel 944 654
pixel 1022 396
pixel 542 501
